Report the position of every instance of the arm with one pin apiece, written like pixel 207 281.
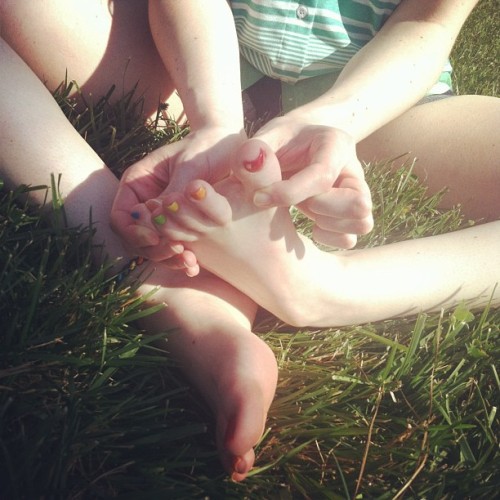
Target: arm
pixel 199 48
pixel 316 143
pixel 394 70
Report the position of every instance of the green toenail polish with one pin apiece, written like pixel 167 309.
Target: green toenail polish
pixel 160 219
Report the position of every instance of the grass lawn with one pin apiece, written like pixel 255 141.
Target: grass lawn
pixel 89 408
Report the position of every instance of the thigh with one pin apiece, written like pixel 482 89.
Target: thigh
pixel 456 144
pixel 97 43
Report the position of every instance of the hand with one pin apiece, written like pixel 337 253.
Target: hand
pixel 323 178
pixel 204 154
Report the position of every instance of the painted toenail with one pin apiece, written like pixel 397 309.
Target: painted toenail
pixel 255 165
pixel 135 215
pixel 199 194
pixel 160 219
pixel 173 207
pixel 262 199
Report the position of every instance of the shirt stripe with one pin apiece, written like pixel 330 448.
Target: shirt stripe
pixel 293 40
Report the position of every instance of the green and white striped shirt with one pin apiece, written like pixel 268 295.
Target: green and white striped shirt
pixel 295 40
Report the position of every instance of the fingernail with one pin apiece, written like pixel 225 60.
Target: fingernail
pixel 173 207
pixel 160 219
pixel 153 204
pixel 255 165
pixel 262 199
pixel 177 248
pixel 135 215
pixel 199 194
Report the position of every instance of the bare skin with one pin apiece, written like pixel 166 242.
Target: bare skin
pixel 112 44
pixel 260 252
pixel 233 369
pixel 451 152
pixel 207 316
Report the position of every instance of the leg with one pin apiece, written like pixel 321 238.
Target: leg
pixel 239 394
pixel 260 252
pixel 455 141
pixel 233 369
pixel 111 45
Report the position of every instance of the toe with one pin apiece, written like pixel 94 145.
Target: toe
pixel 256 165
pixel 238 435
pixel 186 216
pixel 211 205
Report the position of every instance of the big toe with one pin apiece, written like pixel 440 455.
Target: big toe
pixel 256 165
pixel 238 435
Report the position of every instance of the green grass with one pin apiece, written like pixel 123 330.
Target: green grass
pixel 477 52
pixel 89 408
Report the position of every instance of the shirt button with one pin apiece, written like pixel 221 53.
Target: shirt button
pixel 301 11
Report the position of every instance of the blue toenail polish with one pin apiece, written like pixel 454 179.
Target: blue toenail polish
pixel 135 215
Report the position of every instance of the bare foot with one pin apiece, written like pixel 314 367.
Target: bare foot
pixel 259 252
pixel 234 370
pixel 256 250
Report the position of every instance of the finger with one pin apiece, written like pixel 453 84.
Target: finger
pixel 185 262
pixel 337 231
pixel 137 185
pixel 339 203
pixel 334 239
pixel 310 181
pixel 324 162
pixel 159 252
pixel 138 236
pixel 142 181
pixel 354 226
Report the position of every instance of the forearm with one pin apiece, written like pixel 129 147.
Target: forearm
pixel 394 70
pixel 198 45
pixel 421 275
pixel 36 140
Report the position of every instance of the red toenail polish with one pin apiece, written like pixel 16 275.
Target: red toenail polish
pixel 255 165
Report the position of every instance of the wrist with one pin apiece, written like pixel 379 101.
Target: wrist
pixel 346 115
pixel 223 112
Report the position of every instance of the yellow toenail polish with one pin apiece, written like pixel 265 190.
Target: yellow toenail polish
pixel 160 219
pixel 173 207
pixel 199 194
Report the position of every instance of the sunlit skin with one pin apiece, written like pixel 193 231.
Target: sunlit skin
pixel 260 252
pixel 100 44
